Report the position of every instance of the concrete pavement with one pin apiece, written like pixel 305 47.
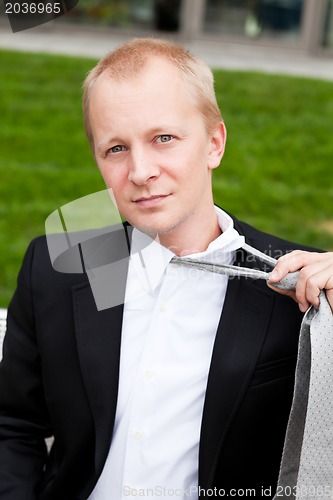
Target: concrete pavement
pixel 62 38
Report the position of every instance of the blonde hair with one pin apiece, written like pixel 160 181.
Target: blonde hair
pixel 129 59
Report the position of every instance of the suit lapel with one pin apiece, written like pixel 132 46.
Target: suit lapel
pixel 98 335
pixel 241 332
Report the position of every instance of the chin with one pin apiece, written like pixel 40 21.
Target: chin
pixel 152 230
pixel 162 222
pixel 158 228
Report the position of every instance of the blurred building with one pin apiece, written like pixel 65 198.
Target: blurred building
pixel 300 24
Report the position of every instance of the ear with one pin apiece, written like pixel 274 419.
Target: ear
pixel 217 146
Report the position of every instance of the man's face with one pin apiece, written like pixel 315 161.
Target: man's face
pixel 153 150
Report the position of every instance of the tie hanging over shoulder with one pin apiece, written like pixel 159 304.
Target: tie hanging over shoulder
pixel 307 461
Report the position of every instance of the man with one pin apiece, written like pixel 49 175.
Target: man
pixel 185 389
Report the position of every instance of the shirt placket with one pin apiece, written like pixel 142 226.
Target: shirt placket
pixel 143 405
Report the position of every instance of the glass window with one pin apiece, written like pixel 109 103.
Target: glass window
pixel 254 18
pixel 162 15
pixel 328 26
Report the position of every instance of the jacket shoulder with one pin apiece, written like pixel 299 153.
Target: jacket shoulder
pixel 268 243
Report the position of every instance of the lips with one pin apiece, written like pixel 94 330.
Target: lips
pixel 152 197
pixel 152 200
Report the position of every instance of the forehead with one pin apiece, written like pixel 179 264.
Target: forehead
pixel 158 79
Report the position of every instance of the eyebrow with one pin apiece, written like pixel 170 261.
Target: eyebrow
pixel 166 128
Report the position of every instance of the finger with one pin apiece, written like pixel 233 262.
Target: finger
pixel 313 276
pixel 313 279
pixel 289 293
pixel 307 288
pixel 329 296
pixel 316 274
pixel 294 261
pixel 323 281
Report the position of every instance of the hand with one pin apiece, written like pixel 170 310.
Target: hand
pixel 316 274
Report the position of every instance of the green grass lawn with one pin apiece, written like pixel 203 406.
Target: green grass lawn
pixel 276 173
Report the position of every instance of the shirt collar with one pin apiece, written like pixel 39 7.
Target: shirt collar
pixel 223 247
pixel 150 259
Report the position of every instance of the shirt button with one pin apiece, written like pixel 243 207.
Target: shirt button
pixel 163 308
pixel 138 435
pixel 149 374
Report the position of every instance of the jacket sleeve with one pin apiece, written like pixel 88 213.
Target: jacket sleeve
pixel 24 422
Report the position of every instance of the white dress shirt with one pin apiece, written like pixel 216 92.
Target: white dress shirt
pixel 171 315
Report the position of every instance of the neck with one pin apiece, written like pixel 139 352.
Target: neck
pixel 189 237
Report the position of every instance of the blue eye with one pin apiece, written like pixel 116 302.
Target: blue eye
pixel 164 138
pixel 116 149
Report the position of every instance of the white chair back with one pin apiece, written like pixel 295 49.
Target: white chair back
pixel 3 322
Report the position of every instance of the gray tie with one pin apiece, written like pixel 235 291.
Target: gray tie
pixel 307 461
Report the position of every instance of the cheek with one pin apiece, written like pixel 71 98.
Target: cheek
pixel 102 169
pixel 111 176
pixel 108 179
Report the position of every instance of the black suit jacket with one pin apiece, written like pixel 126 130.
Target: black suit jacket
pixel 59 376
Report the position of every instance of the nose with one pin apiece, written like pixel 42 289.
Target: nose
pixel 142 168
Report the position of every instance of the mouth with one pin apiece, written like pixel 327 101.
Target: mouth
pixel 151 201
